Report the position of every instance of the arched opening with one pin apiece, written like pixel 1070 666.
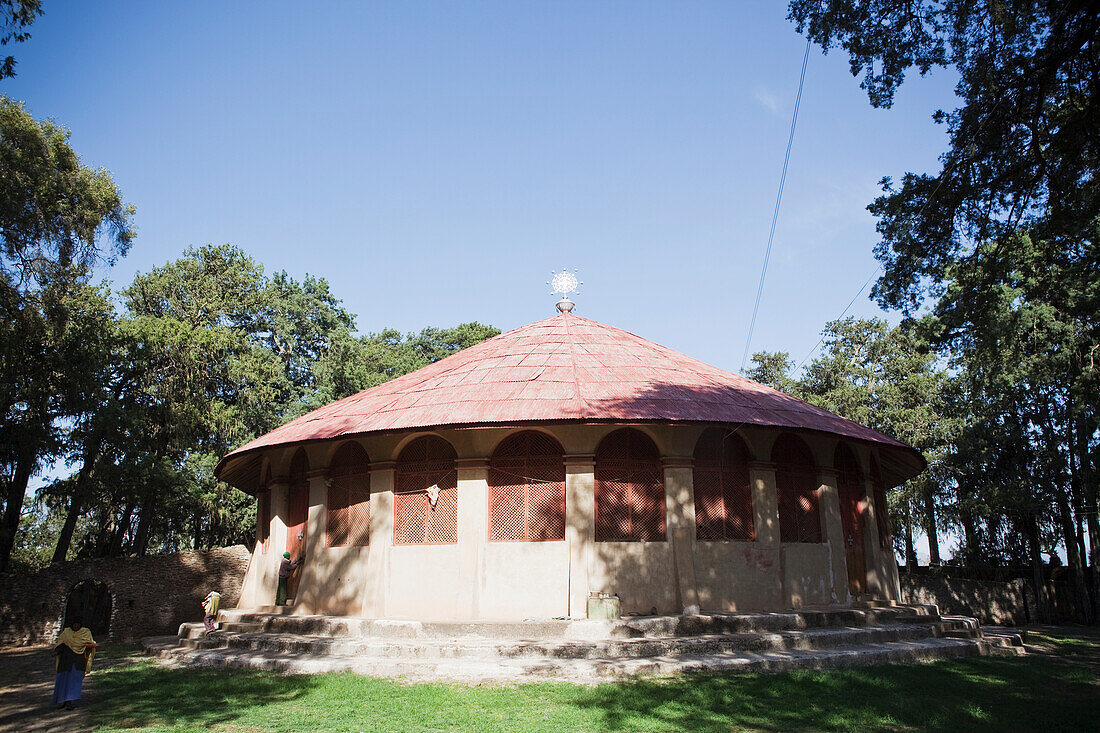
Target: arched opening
pixel 297 505
pixel 90 602
pixel 347 519
pixel 850 494
pixel 527 489
pixel 723 497
pixel 796 489
pixel 425 501
pixel 630 489
pixel 882 511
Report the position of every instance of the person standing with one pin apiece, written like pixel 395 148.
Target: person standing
pixel 210 607
pixel 73 651
pixel 286 569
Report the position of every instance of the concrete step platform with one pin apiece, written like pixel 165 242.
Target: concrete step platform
pixel 588 670
pixel 473 647
pixel 581 649
pixel 285 622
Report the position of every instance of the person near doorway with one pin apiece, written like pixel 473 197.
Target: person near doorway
pixel 286 569
pixel 73 651
pixel 210 609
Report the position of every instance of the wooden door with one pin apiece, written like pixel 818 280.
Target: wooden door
pixel 297 512
pixel 852 505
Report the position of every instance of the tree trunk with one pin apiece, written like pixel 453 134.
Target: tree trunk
pixel 145 525
pixel 17 491
pixel 76 502
pixel 1041 603
pixel 910 552
pixel 930 526
pixel 1087 480
pixel 1069 537
pixel 119 536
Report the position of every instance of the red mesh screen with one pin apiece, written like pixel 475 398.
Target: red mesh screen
pixel 425 462
pixel 630 491
pixel 527 489
pixel 796 488
pixel 723 496
pixel 348 516
pixel 882 516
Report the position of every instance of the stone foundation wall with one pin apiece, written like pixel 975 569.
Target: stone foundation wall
pixel 149 595
pixel 991 602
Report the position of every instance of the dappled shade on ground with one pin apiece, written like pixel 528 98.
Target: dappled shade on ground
pixel 1052 693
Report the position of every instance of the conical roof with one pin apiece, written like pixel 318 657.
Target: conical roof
pixel 564 369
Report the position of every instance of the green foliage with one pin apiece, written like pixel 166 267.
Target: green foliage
pixel 774 370
pixel 53 209
pixel 15 17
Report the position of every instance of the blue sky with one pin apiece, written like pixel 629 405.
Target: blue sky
pixel 435 161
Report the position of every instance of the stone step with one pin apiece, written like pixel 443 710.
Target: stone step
pixel 578 670
pixel 631 627
pixel 472 647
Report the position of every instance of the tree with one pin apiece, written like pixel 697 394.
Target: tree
pixel 15 17
pixel 57 218
pixel 1003 240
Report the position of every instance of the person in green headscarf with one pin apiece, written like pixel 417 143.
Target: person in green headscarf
pixel 286 569
pixel 74 651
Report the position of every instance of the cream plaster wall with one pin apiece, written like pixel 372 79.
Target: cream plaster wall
pixel 478 579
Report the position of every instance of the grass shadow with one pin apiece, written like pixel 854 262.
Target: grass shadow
pixel 976 694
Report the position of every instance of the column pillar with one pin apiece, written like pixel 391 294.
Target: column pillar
pixel 872 548
pixel 473 532
pixel 376 586
pixel 580 528
pixel 309 596
pixel 276 539
pixel 680 528
pixel 765 518
pixel 828 501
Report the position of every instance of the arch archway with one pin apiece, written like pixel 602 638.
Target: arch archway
pixel 425 498
pixel 723 497
pixel 630 489
pixel 527 489
pixel 796 489
pixel 90 602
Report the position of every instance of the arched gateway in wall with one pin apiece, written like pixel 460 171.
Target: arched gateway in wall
pixel 564 458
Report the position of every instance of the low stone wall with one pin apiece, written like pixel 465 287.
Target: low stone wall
pixel 149 595
pixel 991 602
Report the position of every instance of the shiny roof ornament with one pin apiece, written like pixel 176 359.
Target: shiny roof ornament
pixel 564 282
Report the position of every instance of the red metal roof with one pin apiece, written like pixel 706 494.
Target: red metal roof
pixel 564 368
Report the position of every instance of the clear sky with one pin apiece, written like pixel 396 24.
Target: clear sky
pixel 436 160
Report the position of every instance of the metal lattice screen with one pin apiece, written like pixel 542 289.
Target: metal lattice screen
pixel 348 516
pixel 527 489
pixel 723 495
pixel 797 490
pixel 425 463
pixel 882 517
pixel 630 490
pixel 348 520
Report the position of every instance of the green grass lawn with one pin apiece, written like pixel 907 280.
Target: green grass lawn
pixel 1048 693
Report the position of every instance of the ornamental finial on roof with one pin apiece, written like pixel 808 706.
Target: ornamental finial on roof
pixel 564 282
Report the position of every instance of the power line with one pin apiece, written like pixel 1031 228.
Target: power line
pixel 778 201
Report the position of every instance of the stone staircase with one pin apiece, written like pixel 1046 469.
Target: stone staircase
pixel 583 651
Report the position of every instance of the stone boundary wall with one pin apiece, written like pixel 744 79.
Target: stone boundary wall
pixel 149 595
pixel 991 602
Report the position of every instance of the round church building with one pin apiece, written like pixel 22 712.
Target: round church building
pixel 564 459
